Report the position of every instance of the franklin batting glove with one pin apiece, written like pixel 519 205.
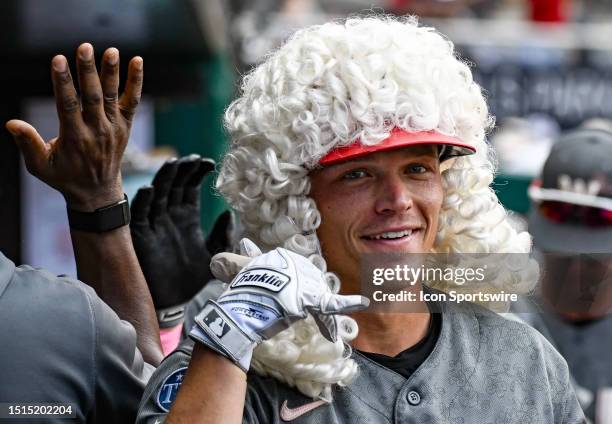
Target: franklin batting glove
pixel 269 294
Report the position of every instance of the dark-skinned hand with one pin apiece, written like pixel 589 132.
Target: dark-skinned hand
pixel 84 164
pixel 84 161
pixel 167 234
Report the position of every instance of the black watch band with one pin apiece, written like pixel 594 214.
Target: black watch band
pixel 104 219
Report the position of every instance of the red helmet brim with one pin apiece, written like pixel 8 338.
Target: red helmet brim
pixel 397 139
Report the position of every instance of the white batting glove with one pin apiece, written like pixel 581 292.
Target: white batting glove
pixel 270 293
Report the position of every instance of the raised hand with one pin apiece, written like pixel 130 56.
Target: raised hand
pixel 168 237
pixel 84 164
pixel 84 161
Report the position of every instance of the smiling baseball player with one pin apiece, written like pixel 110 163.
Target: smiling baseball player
pixel 355 138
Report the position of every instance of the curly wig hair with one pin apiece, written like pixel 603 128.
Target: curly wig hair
pixel 328 86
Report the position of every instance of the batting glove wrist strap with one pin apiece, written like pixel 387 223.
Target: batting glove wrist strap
pixel 216 329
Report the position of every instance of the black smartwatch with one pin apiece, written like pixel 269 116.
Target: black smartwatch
pixel 104 219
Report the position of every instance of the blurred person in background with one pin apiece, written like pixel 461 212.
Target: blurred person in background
pixel 61 343
pixel 571 222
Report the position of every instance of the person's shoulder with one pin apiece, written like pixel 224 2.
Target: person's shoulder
pixel 51 301
pixel 65 305
pixel 48 286
pixel 532 357
pixel 494 321
pixel 60 316
pixel 518 365
pixel 507 333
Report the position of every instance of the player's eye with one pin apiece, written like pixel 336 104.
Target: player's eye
pixel 417 169
pixel 354 174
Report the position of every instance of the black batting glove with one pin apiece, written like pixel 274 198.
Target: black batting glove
pixel 168 238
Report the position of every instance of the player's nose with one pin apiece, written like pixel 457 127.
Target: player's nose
pixel 393 195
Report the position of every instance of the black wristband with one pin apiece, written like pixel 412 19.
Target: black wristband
pixel 104 219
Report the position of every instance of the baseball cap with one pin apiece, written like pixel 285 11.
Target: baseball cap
pixel 572 209
pixel 450 146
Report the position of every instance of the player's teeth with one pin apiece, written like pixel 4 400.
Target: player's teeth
pixel 393 235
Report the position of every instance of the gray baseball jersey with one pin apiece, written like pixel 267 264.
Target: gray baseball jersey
pixel 59 343
pixel 586 348
pixel 483 369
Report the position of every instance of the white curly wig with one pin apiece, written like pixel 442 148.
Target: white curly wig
pixel 326 87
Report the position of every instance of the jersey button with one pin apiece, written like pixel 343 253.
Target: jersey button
pixel 414 398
